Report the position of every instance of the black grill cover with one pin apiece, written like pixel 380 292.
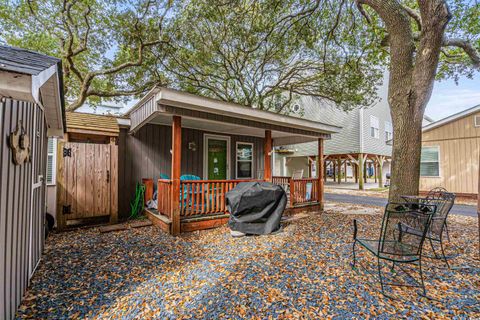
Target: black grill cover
pixel 256 207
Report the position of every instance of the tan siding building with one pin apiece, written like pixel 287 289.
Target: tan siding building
pixel 450 153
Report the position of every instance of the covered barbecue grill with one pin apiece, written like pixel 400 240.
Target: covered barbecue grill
pixel 256 207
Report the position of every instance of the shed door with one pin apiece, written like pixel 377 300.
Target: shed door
pixel 86 190
pixel 37 222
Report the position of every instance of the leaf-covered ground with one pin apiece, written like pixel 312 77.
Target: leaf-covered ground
pixel 303 272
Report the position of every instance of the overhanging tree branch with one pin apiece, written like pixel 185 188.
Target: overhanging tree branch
pixel 466 46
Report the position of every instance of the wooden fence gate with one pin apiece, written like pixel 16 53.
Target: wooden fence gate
pixel 87 181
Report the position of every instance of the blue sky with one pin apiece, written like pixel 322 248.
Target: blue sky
pixel 449 98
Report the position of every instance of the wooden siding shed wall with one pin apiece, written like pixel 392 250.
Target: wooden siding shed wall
pixel 459 145
pixel 22 205
pixel 146 154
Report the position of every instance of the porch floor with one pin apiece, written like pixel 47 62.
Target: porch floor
pixel 303 271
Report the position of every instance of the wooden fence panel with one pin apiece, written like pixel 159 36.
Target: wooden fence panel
pixel 88 183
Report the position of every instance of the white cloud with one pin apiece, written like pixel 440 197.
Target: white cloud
pixel 449 99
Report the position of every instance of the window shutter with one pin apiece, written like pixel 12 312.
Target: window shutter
pixel 51 161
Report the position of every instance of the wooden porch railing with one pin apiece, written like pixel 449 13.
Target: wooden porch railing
pixel 208 196
pixel 164 197
pixel 205 196
pixel 283 181
pixel 303 191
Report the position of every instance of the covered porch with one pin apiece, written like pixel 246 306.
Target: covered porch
pixel 214 146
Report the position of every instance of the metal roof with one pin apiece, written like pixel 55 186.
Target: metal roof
pixel 24 61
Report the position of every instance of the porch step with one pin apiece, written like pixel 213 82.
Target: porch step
pixel 140 223
pixel 113 227
pixel 201 222
pixel 158 219
pixel 205 217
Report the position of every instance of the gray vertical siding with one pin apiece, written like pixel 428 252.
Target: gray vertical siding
pixel 17 257
pixel 146 154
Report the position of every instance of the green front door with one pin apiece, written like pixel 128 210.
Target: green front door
pixel 217 159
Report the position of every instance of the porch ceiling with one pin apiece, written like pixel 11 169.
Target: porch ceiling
pixel 279 137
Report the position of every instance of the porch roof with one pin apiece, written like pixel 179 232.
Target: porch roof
pixel 160 104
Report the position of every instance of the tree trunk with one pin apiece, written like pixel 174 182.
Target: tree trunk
pixel 407 145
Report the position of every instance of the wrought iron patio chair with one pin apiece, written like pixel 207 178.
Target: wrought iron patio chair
pixel 444 201
pixel 397 246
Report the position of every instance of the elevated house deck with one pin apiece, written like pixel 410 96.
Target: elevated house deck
pixel 218 145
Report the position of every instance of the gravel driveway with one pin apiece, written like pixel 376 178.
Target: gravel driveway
pixel 460 209
pixel 302 272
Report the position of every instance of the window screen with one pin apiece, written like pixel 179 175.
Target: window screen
pixel 244 160
pixel 388 131
pixel 430 163
pixel 374 127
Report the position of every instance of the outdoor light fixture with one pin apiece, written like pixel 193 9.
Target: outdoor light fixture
pixel 192 146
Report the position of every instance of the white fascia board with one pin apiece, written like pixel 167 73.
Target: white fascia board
pixel 451 118
pixel 189 101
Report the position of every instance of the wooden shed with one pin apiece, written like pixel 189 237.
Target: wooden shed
pixel 31 109
pixel 87 169
pixel 450 153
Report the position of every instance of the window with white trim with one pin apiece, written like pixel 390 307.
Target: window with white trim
pixel 374 127
pixel 244 154
pixel 477 121
pixel 51 160
pixel 430 162
pixel 388 131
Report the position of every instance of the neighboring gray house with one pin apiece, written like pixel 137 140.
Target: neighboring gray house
pixel 365 141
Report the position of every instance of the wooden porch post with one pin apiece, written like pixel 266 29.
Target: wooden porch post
pixel 355 172
pixel 381 161
pixel 267 150
pixel 320 172
pixel 334 172
pixel 345 169
pixel 324 170
pixel 360 171
pixel 339 168
pixel 176 168
pixel 365 170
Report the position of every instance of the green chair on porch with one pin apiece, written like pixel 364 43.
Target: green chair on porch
pixel 398 246
pixel 187 189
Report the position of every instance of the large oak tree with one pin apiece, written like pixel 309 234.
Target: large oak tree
pixel 266 54
pixel 104 45
pixel 423 38
pixel 426 39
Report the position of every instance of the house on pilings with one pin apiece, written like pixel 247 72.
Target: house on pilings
pixel 360 153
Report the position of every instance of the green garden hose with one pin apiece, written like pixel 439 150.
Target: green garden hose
pixel 137 205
